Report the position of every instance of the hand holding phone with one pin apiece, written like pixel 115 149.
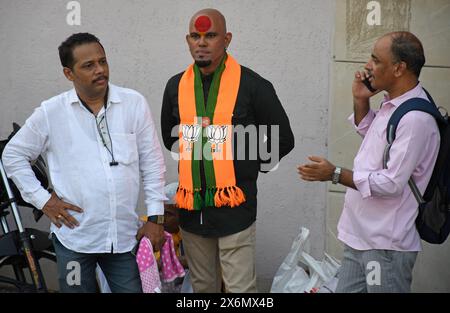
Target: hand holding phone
pixel 366 82
pixel 365 90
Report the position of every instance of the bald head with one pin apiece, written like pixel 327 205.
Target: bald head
pixel 215 17
pixel 208 39
pixel 406 47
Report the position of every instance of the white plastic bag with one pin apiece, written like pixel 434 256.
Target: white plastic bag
pixel 102 282
pixel 186 287
pixel 300 272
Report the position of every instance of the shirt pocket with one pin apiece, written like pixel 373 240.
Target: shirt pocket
pixel 125 148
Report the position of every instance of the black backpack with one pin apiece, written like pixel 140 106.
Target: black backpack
pixel 433 219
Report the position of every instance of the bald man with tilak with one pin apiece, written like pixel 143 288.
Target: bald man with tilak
pixel 217 190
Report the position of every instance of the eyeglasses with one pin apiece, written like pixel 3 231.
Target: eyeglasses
pixel 103 130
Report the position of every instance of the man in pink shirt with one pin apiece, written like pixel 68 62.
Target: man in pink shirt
pixel 377 224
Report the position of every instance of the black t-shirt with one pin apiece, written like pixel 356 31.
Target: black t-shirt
pixel 256 104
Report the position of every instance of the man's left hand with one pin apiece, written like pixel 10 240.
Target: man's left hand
pixel 154 232
pixel 319 170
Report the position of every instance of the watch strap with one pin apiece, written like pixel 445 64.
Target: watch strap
pixel 157 219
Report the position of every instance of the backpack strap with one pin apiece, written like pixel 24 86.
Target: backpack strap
pixel 414 104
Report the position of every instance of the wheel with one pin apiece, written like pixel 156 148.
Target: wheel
pixel 47 262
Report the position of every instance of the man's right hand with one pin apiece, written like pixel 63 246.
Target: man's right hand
pixel 359 90
pixel 361 95
pixel 56 211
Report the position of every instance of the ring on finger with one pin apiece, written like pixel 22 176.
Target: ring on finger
pixel 59 216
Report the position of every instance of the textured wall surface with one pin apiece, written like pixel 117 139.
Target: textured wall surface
pixel 287 42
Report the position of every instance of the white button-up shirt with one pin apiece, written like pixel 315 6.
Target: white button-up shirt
pixel 66 133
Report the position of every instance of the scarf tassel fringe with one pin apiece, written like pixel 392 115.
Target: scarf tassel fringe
pixel 231 196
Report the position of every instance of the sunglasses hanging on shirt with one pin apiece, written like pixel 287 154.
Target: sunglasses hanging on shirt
pixel 102 124
pixel 103 130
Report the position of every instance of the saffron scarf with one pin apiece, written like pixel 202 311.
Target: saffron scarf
pixel 206 133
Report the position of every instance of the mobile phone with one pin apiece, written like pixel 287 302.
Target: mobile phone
pixel 366 82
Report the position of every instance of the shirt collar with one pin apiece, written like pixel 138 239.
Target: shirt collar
pixel 113 95
pixel 412 93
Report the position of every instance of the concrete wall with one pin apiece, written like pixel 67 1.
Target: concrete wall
pixel 353 41
pixel 288 42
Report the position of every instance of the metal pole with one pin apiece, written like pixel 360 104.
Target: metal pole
pixel 35 269
pixel 12 202
pixel 5 227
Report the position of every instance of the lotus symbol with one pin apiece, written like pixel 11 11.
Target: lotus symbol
pixel 191 132
pixel 216 133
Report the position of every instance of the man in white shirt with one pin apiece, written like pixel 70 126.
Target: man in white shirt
pixel 99 141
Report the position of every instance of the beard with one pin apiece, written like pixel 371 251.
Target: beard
pixel 202 63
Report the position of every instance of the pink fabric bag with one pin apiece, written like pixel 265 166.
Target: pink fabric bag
pixel 148 268
pixel 171 266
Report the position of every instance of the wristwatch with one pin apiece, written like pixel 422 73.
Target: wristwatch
pixel 157 219
pixel 336 175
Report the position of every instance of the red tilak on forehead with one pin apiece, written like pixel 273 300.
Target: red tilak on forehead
pixel 202 23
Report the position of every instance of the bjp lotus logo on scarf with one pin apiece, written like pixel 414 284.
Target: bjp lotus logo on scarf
pixel 216 134
pixel 191 134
